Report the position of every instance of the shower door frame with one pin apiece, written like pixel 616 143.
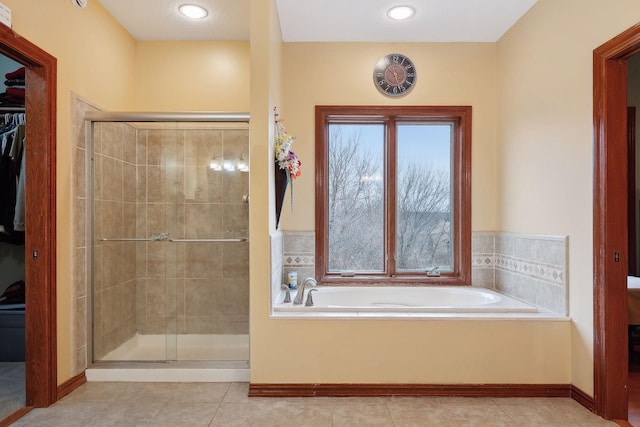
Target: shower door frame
pixel 126 117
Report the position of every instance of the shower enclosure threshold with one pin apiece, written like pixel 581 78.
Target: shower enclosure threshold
pixel 172 371
pixel 188 347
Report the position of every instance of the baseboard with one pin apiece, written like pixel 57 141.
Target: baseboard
pixel 364 390
pixel 582 398
pixel 70 385
pixel 15 416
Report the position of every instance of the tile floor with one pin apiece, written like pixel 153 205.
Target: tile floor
pixel 99 404
pixel 12 385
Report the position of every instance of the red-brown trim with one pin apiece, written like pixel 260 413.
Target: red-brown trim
pixel 610 223
pixel 40 321
pixel 71 384
pixel 462 116
pixel 368 390
pixel 15 416
pixel 631 189
pixel 582 398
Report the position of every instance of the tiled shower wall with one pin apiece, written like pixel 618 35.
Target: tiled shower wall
pixel 532 268
pixel 78 362
pixel 207 290
pixel 114 267
pixel 191 287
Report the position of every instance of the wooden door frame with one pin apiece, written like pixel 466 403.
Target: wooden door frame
pixel 631 190
pixel 40 241
pixel 610 241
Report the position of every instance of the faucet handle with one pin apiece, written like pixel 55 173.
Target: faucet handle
pixel 309 302
pixel 287 296
pixel 433 271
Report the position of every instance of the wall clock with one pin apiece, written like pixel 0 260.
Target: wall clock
pixel 394 75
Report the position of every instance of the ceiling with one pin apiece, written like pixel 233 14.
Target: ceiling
pixel 325 20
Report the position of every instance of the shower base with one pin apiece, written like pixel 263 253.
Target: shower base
pixel 185 347
pixel 196 358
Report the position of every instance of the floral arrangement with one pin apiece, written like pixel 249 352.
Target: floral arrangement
pixel 286 159
pixel 287 165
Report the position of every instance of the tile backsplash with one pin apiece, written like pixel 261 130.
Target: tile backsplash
pixel 532 268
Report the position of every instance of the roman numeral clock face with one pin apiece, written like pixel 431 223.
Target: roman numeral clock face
pixel 394 75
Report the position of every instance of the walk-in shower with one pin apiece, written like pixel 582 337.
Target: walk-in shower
pixel 169 228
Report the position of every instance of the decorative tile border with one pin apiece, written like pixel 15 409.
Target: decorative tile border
pixel 480 260
pixel 548 273
pixel 299 259
pixel 538 260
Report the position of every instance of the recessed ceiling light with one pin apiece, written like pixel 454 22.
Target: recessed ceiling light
pixel 193 11
pixel 401 12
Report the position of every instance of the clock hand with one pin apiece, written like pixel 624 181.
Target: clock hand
pixel 395 74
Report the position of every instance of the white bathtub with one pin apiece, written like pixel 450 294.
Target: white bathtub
pixel 388 299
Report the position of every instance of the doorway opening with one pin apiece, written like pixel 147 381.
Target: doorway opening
pixel 610 227
pixel 40 230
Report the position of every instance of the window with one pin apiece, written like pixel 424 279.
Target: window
pixel 393 194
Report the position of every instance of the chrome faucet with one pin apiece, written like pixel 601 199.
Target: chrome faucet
pixel 300 295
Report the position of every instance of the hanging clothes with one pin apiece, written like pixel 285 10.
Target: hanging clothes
pixel 14 95
pixel 11 169
pixel 19 216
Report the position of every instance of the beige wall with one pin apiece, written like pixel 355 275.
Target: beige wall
pixel 545 139
pixel 342 73
pixel 266 51
pixel 192 76
pixel 393 351
pixel 96 59
pixel 532 169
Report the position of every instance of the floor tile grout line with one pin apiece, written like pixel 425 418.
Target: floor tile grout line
pixel 225 393
pixel 216 412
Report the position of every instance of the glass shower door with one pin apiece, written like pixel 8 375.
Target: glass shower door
pixel 207 257
pixel 170 253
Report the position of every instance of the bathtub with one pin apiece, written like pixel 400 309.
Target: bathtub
pixel 406 300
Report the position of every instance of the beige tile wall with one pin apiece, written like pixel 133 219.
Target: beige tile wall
pixel 194 287
pixel 154 181
pixel 114 268
pixel 78 362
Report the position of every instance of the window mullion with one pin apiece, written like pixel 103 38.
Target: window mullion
pixel 390 198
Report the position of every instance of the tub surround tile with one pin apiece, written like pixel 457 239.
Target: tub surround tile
pixel 532 268
pixel 276 248
pixel 548 273
pixel 483 277
pixel 298 254
pixel 483 242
